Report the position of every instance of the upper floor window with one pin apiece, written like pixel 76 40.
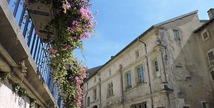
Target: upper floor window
pixel 137 54
pixel 95 79
pixel 176 34
pixel 109 72
pixel 205 35
pixel 110 89
pixel 156 68
pixel 128 80
pixel 211 56
pixel 88 101
pixel 140 75
pixel 95 94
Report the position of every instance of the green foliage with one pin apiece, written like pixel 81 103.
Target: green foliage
pixel 18 90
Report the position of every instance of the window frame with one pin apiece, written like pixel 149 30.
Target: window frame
pixel 128 80
pixel 140 79
pixel 156 68
pixel 202 35
pixel 95 94
pixel 205 102
pixel 176 34
pixel 208 52
pixel 137 54
pixel 95 79
pixel 88 101
pixel 110 91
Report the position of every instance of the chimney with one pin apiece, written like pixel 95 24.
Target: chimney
pixel 211 13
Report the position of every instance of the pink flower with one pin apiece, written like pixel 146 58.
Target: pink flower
pixel 85 13
pixel 66 6
pixel 82 69
pixel 86 35
pixel 69 29
pixel 68 47
pixel 78 81
pixel 73 37
pixel 53 51
pixel 36 31
pixel 75 23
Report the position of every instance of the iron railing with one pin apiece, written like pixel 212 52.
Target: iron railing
pixel 35 44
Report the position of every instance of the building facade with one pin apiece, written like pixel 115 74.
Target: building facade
pixel 167 66
pixel 25 80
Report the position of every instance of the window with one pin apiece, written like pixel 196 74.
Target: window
pixel 129 80
pixel 205 35
pixel 140 75
pixel 156 68
pixel 137 54
pixel 88 101
pixel 205 105
pixel 110 89
pixel 176 35
pixel 95 94
pixel 211 56
pixel 212 74
pixel 109 72
pixel 139 105
pixel 95 79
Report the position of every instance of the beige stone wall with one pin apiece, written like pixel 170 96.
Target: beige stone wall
pixel 184 78
pixel 8 99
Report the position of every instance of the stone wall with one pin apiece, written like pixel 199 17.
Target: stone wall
pixel 8 99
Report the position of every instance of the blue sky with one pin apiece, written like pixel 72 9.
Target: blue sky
pixel 121 21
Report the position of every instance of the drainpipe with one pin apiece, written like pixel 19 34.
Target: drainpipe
pixel 147 64
pixel 121 79
pixel 100 91
pixel 86 95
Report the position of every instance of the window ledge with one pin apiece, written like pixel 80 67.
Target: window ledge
pixel 110 96
pixel 142 83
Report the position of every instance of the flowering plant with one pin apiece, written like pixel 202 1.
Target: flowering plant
pixel 72 22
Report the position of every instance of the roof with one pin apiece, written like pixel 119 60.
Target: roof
pixel 91 72
pixel 203 25
pixel 141 35
pixel 176 18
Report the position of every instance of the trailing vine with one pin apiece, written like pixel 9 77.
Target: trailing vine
pixel 72 22
pixel 19 90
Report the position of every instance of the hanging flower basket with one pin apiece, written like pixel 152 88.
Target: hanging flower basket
pixel 41 15
pixel 63 24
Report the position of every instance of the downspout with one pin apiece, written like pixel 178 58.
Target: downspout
pixel 147 64
pixel 100 91
pixel 86 96
pixel 121 79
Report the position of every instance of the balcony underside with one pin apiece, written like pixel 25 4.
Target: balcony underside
pixel 15 51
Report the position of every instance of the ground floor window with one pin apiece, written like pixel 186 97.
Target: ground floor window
pixel 139 105
pixel 205 105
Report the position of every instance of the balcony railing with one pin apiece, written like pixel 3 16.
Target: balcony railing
pixel 35 44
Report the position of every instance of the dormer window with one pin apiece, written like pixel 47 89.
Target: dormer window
pixel 205 35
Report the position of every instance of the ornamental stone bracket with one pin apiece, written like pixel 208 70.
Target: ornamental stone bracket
pixel 22 66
